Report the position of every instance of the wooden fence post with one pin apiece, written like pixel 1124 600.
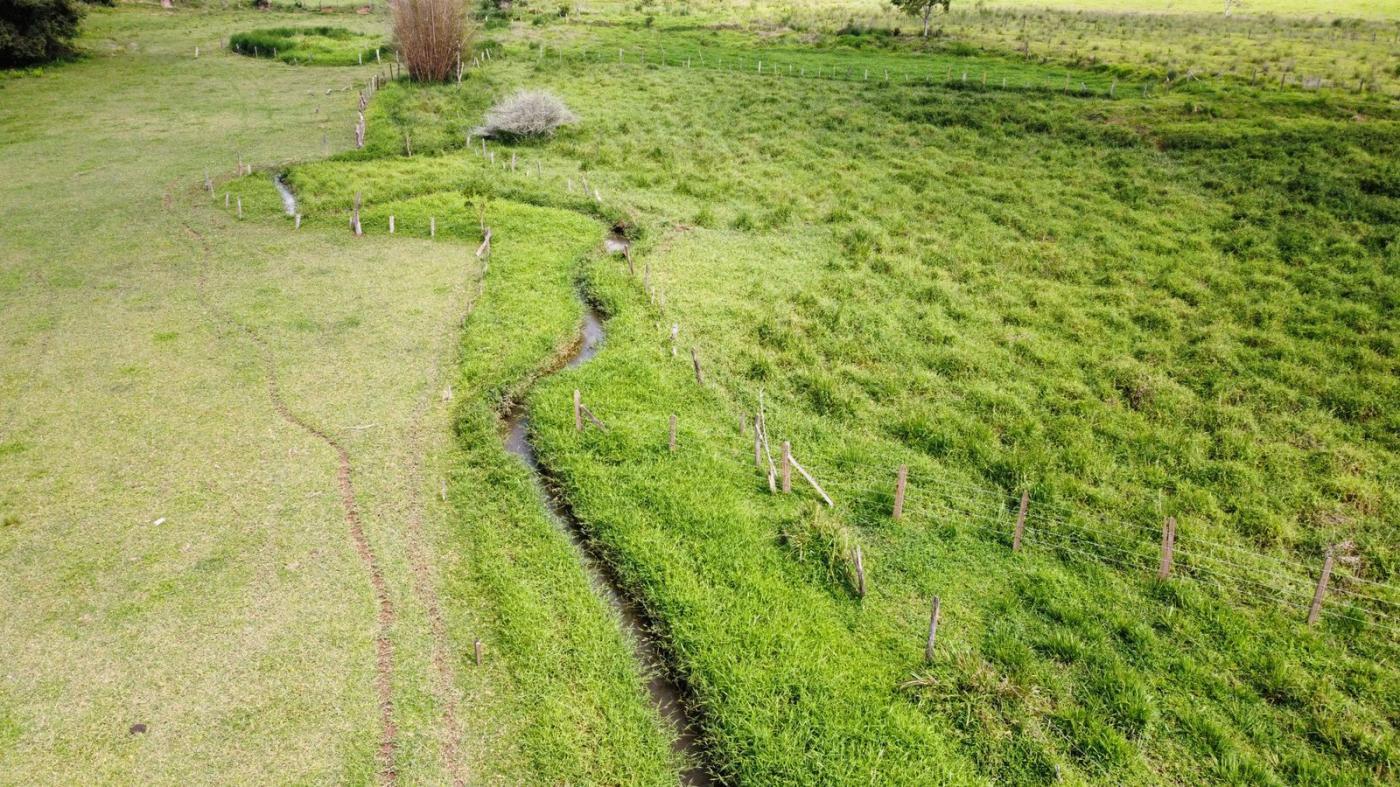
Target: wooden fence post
pixel 432 226
pixel 757 442
pixel 1168 542
pixel 695 359
pixel 578 411
pixel 391 224
pixel 673 434
pixel 476 646
pixel 932 630
pixel 860 573
pixel 899 483
pixel 1020 521
pixel 787 467
pixel 1316 610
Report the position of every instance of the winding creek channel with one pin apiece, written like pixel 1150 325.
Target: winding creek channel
pixel 666 695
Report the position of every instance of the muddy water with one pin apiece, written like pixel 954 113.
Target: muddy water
pixel 666 695
pixel 289 200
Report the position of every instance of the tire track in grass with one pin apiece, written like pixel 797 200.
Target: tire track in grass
pixel 384 648
pixel 424 583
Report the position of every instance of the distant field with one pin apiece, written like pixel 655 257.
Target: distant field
pixel 1375 9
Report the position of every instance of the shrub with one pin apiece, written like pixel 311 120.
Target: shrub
pixel 32 31
pixel 431 36
pixel 527 113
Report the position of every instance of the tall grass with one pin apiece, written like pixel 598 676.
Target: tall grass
pixel 431 36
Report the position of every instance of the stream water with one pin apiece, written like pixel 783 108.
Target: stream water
pixel 289 200
pixel 666 695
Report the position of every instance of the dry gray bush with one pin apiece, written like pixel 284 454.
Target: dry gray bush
pixel 527 113
pixel 432 36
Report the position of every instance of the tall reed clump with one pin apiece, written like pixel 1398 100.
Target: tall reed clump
pixel 432 37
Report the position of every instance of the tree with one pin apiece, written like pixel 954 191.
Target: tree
pixel 922 8
pixel 33 31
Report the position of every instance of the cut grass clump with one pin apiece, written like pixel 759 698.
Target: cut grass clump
pixel 319 46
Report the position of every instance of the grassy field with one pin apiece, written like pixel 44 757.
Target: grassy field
pixel 1130 307
pixel 175 552
pixel 1126 298
pixel 1260 44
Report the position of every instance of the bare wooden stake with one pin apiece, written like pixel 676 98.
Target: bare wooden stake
pixel 578 411
pixel 1168 542
pixel 1020 521
pixel 1316 610
pixel 476 646
pixel 432 226
pixel 860 573
pixel 297 226
pixel 900 480
pixel 672 441
pixel 932 630
pixel 592 418
pixel 240 207
pixel 391 224
pixel 757 443
pixel 695 359
pixel 787 467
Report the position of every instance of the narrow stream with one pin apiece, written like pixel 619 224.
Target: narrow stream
pixel 289 200
pixel 666 695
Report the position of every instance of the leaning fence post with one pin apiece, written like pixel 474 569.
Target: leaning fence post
pixel 1168 542
pixel 900 480
pixel 1316 610
pixel 672 441
pixel 757 442
pixel 578 411
pixel 695 359
pixel 787 467
pixel 860 573
pixel 1020 521
pixel 932 631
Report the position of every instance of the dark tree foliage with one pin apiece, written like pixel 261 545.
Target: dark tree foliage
pixel 33 31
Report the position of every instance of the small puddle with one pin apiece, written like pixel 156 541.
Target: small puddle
pixel 289 200
pixel 666 695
